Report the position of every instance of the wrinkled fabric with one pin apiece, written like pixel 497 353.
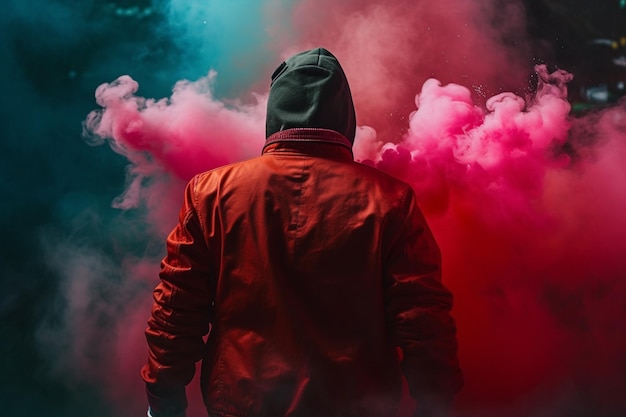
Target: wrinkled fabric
pixel 311 272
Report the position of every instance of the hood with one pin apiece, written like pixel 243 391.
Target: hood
pixel 310 90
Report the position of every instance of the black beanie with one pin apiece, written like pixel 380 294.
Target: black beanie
pixel 310 90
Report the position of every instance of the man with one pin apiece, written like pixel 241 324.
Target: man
pixel 310 270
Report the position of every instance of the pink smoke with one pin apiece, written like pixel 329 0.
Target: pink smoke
pixel 522 227
pixel 169 140
pixel 531 241
pixel 454 147
pixel 526 201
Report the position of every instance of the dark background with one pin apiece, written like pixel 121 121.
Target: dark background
pixel 53 55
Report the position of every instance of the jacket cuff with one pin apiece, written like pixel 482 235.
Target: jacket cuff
pixel 170 403
pixel 433 407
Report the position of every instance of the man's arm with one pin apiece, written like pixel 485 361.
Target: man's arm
pixel 180 317
pixel 418 308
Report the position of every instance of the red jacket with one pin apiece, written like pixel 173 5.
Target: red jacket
pixel 309 269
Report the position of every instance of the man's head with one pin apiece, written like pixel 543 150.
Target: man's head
pixel 310 90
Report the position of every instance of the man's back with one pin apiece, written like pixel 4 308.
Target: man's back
pixel 300 322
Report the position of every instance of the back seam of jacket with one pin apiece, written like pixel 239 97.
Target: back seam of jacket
pixel 296 218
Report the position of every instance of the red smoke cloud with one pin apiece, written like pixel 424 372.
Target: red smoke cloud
pixel 531 237
pixel 526 201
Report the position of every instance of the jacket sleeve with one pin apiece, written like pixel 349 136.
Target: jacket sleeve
pixel 418 308
pixel 181 315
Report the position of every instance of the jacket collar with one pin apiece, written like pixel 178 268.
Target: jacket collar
pixel 298 138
